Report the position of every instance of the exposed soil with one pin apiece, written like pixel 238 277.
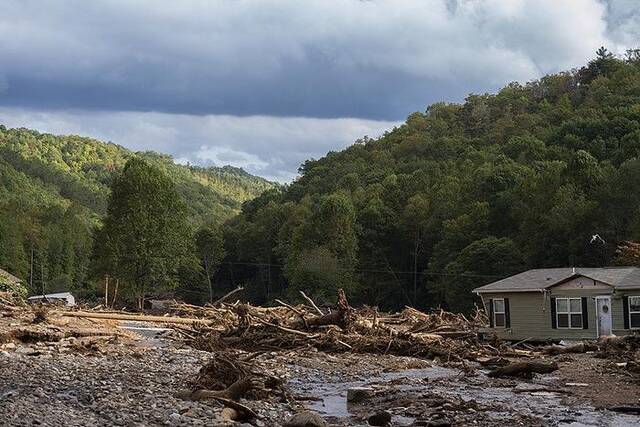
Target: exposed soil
pixel 607 384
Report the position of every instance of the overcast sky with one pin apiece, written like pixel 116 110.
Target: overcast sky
pixel 267 84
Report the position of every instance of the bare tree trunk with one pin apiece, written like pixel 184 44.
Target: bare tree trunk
pixel 269 277
pixel 416 245
pixel 31 271
pixel 115 293
pixel 208 274
pixel 106 291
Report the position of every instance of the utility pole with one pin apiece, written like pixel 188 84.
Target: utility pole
pixel 31 270
pixel 42 275
pixel 106 291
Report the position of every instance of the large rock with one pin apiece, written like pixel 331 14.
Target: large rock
pixel 382 418
pixel 306 419
pixel 359 394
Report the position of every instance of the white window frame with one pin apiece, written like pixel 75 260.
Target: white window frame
pixel 569 313
pixel 632 312
pixel 503 312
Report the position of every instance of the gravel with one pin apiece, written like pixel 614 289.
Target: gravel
pixel 72 389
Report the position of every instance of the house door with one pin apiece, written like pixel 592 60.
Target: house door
pixel 603 306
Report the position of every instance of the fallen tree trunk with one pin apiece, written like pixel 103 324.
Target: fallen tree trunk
pixel 134 317
pixel 493 362
pixel 524 369
pixel 227 296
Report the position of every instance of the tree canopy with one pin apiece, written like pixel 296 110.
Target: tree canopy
pixel 458 196
pixel 145 238
pixel 54 192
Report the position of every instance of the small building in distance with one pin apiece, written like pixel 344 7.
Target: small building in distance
pixel 64 298
pixel 564 303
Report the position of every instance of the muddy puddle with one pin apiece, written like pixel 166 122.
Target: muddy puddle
pixel 404 394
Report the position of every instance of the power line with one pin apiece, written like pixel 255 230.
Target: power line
pixel 426 273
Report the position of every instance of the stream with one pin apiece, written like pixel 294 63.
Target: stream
pixel 502 403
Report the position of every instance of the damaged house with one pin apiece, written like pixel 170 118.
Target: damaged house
pixel 564 303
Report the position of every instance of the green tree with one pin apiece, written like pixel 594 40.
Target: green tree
pixel 482 261
pixel 145 236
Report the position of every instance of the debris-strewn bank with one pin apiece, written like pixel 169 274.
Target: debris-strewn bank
pixel 235 364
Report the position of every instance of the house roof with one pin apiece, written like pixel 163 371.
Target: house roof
pixel 9 277
pixel 544 278
pixel 60 295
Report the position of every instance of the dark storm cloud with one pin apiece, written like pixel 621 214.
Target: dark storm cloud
pixel 267 84
pixel 379 59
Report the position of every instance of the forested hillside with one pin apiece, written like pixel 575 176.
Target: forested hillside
pixel 54 191
pixel 458 196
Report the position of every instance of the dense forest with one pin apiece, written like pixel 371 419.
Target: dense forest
pixel 54 192
pixel 540 174
pixel 458 196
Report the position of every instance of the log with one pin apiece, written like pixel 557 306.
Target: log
pixel 289 330
pixel 238 389
pixel 335 318
pixel 234 392
pixel 134 317
pixel 342 317
pixel 313 304
pixel 493 362
pixel 524 369
pixel 227 296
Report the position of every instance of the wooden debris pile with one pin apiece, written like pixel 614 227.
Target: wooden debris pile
pixel 448 336
pixel 226 368
pixel 228 378
pixel 625 350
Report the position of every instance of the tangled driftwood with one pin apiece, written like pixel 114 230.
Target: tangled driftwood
pixel 444 335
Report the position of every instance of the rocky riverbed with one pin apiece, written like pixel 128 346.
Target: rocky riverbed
pixel 134 374
pixel 135 383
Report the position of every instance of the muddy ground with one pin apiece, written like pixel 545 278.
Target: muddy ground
pixel 136 378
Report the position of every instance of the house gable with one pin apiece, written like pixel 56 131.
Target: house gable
pixel 580 282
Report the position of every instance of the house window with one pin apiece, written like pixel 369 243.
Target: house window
pixel 499 314
pixel 634 312
pixel 569 312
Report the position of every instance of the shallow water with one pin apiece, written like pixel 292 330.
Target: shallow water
pixel 148 332
pixel 548 407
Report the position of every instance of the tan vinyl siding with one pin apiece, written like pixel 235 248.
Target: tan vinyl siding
pixel 530 314
pixel 530 311
pixel 618 310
